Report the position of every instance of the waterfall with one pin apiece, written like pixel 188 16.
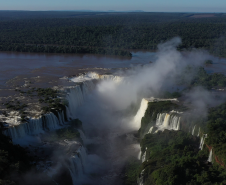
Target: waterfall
pixel 150 130
pixel 111 77
pixel 198 132
pixel 51 122
pixel 68 113
pixel 87 87
pixel 77 95
pixel 75 99
pixel 16 131
pixel 170 121
pixel 35 126
pixel 77 165
pixel 139 155
pixel 160 118
pixel 193 130
pixel 140 180
pixel 143 156
pixel 140 113
pixel 93 75
pixel 202 141
pixel 210 156
pixel 61 117
pixel 75 168
pixel 85 77
pixel 83 157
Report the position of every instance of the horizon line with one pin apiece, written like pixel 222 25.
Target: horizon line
pixel 110 11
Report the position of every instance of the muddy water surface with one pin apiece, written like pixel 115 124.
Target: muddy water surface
pixel 51 67
pixel 58 65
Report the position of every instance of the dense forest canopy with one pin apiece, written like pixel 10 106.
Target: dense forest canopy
pixel 174 158
pixel 108 33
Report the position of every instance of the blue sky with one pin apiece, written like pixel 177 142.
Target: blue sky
pixel 118 5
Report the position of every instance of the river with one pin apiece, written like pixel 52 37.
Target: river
pixel 50 67
pixel 59 65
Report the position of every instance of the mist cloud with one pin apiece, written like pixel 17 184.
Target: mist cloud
pixel 151 78
pixel 200 99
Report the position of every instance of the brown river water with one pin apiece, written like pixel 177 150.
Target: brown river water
pixel 58 65
pixel 51 67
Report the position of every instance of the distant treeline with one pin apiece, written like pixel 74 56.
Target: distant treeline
pixel 112 34
pixel 41 48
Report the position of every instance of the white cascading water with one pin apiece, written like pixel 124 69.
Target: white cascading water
pixel 111 77
pixel 193 130
pixel 85 77
pixel 198 132
pixel 35 126
pixel 150 130
pixel 77 165
pixel 140 113
pixel 75 168
pixel 143 157
pixel 140 180
pixel 139 155
pixel 160 118
pixel 202 141
pixel 169 121
pixel 210 156
pixel 76 97
pixel 16 131
pixel 95 76
pixel 51 122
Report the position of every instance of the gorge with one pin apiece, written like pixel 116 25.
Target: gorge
pixel 108 119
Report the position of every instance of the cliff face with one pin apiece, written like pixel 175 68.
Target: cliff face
pixel 217 159
pixel 157 113
pixel 158 147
